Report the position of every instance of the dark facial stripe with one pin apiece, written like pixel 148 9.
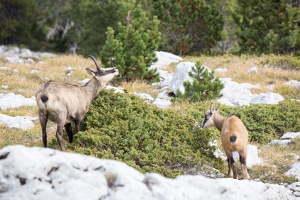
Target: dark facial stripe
pixel 204 122
pixel 105 72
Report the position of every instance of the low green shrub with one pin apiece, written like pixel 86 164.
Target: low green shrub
pixel 284 62
pixel 124 127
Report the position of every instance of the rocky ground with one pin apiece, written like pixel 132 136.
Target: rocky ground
pixel 38 173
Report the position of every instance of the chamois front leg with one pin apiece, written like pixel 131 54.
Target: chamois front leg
pixel 68 129
pixel 78 123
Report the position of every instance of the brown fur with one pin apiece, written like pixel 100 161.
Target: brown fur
pixel 230 127
pixel 64 103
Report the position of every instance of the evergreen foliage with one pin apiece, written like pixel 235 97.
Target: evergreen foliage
pixel 205 86
pixel 18 24
pixel 55 20
pixel 93 18
pixel 228 34
pixel 126 128
pixel 132 48
pixel 268 26
pixel 188 25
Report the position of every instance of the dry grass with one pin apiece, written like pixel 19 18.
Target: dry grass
pixel 277 159
pixel 140 87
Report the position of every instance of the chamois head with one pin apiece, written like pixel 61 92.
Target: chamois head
pixel 208 120
pixel 104 75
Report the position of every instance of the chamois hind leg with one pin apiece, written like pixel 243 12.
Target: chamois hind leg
pixel 68 128
pixel 230 161
pixel 232 171
pixel 243 160
pixel 235 174
pixel 43 121
pixel 60 123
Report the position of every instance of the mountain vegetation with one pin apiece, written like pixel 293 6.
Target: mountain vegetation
pixel 187 26
pixel 124 34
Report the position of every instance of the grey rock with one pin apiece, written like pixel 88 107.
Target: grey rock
pixel 162 103
pixel 147 97
pixel 44 173
pixel 266 98
pixel 290 135
pixel 280 142
pixel 164 59
pixel 252 70
pixel 294 171
pixel 17 122
pixel 293 83
pixel 12 100
pixel 181 75
pixel 164 95
pixel 221 70
pixel 14 59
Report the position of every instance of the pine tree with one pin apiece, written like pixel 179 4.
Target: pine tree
pixel 131 47
pixel 205 86
pixel 228 34
pixel 92 19
pixel 280 33
pixel 188 25
pixel 18 24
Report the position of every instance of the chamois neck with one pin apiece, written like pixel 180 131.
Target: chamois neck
pixel 219 120
pixel 93 87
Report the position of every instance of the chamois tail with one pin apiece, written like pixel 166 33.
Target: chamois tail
pixel 44 98
pixel 232 138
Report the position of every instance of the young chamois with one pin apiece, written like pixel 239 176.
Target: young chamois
pixel 64 103
pixel 234 137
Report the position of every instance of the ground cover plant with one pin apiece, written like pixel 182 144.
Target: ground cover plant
pixel 265 122
pixel 126 128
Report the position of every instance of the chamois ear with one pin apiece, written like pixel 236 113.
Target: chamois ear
pixel 90 71
pixel 212 107
pixel 217 109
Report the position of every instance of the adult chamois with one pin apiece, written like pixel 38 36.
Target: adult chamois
pixel 64 103
pixel 234 137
